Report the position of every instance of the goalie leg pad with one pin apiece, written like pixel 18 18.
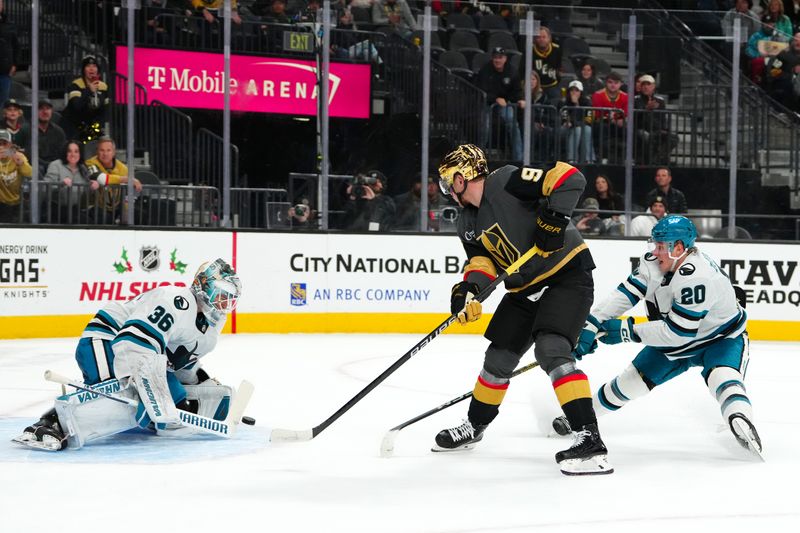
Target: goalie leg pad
pixel 214 400
pixel 85 416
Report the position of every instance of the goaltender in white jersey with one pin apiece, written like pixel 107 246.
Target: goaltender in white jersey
pixel 695 320
pixel 146 349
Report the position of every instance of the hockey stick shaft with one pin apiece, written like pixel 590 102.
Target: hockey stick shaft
pixel 220 428
pixel 289 435
pixel 454 401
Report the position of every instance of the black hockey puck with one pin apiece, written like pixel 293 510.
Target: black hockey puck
pixel 250 421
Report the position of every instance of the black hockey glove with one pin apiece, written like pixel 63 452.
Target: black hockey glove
pixel 550 229
pixel 463 304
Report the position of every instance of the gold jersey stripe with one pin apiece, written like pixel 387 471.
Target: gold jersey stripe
pixel 488 395
pixel 554 176
pixel 573 390
pixel 558 266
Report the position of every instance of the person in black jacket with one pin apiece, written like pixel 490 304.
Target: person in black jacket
pixel 502 86
pixel 87 107
pixel 9 53
pixel 367 208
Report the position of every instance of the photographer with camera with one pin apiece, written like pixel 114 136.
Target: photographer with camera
pixel 302 216
pixel 13 168
pixel 367 208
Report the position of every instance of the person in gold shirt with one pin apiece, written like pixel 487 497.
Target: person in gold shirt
pixel 14 167
pixel 107 170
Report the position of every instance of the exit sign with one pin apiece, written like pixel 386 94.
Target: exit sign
pixel 295 41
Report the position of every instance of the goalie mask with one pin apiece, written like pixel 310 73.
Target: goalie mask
pixel 217 288
pixel 467 160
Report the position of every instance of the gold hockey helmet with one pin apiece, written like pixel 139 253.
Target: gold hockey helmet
pixel 467 160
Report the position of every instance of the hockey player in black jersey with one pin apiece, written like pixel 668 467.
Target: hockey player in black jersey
pixel 505 214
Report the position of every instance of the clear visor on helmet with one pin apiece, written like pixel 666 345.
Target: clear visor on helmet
pixel 659 246
pixel 445 187
pixel 224 294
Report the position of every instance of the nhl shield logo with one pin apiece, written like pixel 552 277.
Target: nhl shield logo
pixel 298 294
pixel 149 258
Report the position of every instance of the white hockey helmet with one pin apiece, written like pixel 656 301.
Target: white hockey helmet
pixel 217 288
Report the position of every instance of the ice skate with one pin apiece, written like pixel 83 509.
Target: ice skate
pixel 745 433
pixel 561 426
pixel 586 456
pixel 46 434
pixel 463 437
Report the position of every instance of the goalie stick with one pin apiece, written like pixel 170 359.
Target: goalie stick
pixel 221 428
pixel 387 445
pixel 290 435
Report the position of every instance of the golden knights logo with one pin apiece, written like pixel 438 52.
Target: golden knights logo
pixel 297 295
pixel 496 243
pixel 149 258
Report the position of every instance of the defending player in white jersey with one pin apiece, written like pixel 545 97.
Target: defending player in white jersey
pixel 146 349
pixel 694 320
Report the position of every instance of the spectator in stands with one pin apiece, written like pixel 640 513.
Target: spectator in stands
pixel 158 23
pixel 107 170
pixel 86 112
pixel 408 205
pixel 68 170
pixel 589 222
pixel 588 77
pixel 544 121
pixel 791 8
pixel 367 208
pixel 546 63
pixel 748 19
pixel 607 198
pixel 608 127
pixel 783 75
pixel 654 141
pixel 15 124
pixel 760 45
pixel 51 136
pixel 642 225
pixel 213 10
pixel 9 53
pixel 272 11
pixel 675 200
pixel 776 17
pixel 14 167
pixel 576 124
pixel 394 13
pixel 502 87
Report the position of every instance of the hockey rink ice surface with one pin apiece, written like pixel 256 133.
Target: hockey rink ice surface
pixel 677 466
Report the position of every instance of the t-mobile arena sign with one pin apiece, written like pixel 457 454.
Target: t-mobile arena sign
pixel 258 84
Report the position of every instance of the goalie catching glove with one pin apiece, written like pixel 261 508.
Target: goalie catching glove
pixel 463 303
pixel 550 229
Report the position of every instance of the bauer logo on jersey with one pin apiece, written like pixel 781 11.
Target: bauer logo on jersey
pixel 298 294
pixel 149 258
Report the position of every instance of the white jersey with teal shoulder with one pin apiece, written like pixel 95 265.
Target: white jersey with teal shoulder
pixel 164 320
pixel 688 309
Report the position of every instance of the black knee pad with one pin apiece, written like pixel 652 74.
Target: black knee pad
pixel 552 350
pixel 500 362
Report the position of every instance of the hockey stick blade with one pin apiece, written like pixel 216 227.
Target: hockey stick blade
pixel 290 435
pixel 387 444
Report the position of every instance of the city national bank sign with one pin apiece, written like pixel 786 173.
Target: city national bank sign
pixel 258 84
